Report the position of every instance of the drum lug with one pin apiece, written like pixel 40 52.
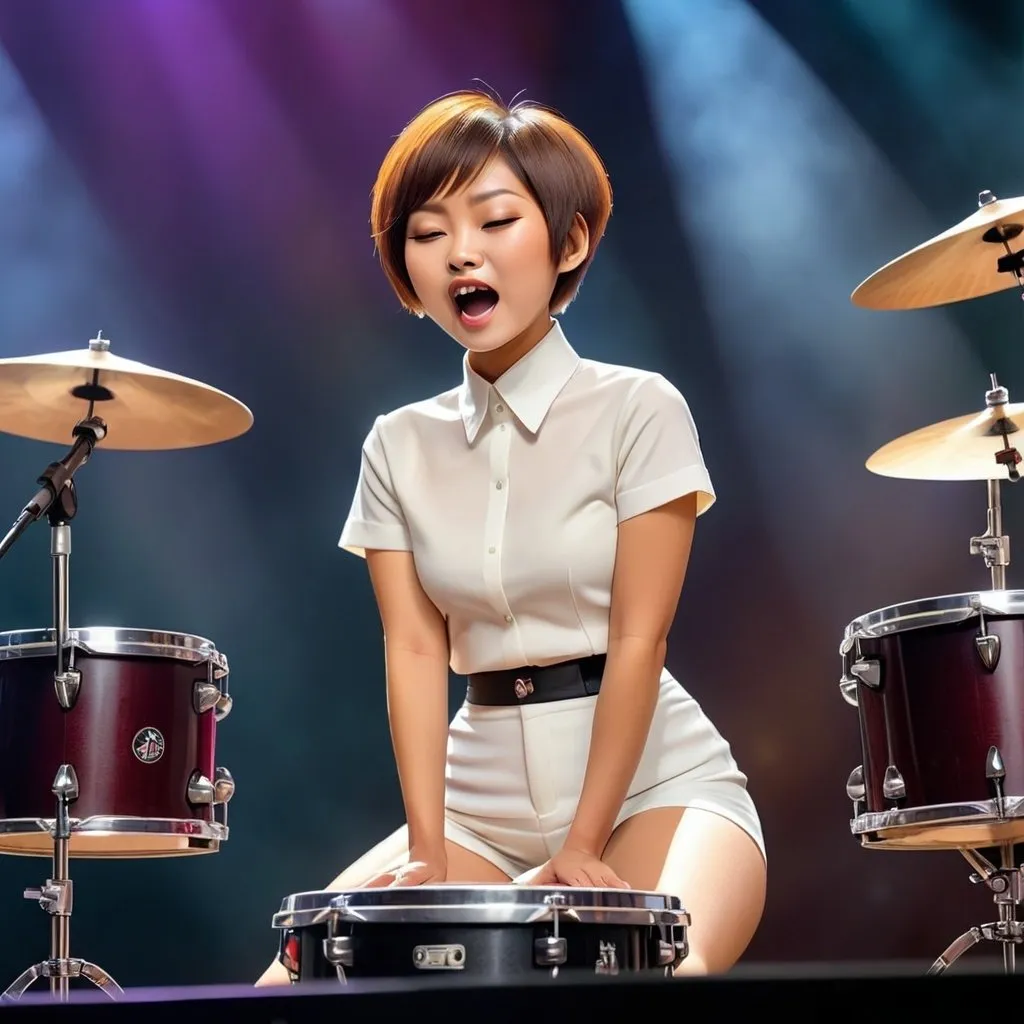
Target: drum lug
pixel 205 695
pixel 222 701
pixel 893 786
pixel 988 647
pixel 995 772
pixel 986 643
pixel 672 954
pixel 67 684
pixel 223 786
pixel 868 671
pixel 200 789
pixel 550 951
pixel 856 790
pixel 224 705
pixel 847 683
pixel 338 951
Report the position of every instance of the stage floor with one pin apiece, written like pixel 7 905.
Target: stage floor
pixel 808 991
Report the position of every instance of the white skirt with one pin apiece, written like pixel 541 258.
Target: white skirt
pixel 515 774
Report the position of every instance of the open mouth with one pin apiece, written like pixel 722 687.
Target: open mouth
pixel 475 303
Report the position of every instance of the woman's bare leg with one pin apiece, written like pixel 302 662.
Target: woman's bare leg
pixel 710 863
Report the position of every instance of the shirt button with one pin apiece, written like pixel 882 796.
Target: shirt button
pixel 502 427
pixel 499 408
pixel 508 618
pixel 498 485
pixel 491 551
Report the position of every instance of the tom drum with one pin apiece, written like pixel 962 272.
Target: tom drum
pixel 139 731
pixel 939 689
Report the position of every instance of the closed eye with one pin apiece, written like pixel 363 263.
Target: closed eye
pixel 427 236
pixel 500 223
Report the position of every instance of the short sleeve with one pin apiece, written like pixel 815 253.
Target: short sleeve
pixel 375 519
pixel 659 456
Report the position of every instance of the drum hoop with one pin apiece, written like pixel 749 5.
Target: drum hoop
pixel 113 640
pixel 977 812
pixel 947 609
pixel 491 904
pixel 187 828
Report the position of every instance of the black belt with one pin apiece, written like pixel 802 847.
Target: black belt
pixel 537 685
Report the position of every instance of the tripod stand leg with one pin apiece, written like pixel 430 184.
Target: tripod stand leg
pixel 101 979
pixel 17 988
pixel 955 950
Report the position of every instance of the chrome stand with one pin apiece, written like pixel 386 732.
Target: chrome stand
pixel 1007 886
pixel 55 897
pixel 992 545
pixel 57 499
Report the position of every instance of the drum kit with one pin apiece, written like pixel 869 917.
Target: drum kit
pixel 107 734
pixel 938 683
pixel 117 759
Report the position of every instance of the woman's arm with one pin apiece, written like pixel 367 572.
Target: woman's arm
pixel 650 564
pixel 416 660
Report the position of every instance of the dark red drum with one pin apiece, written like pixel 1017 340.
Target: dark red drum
pixel 939 689
pixel 139 735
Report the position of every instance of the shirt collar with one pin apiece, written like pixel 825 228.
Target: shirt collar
pixel 528 387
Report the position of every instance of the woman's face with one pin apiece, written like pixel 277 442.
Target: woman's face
pixel 480 260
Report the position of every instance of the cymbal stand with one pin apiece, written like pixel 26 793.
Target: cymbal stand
pixel 1007 886
pixel 57 498
pixel 992 545
pixel 55 897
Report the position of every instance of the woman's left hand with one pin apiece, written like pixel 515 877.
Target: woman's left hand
pixel 573 867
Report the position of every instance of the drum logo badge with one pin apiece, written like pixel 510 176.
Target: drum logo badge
pixel 148 745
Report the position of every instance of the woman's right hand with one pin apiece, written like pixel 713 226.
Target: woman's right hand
pixel 415 872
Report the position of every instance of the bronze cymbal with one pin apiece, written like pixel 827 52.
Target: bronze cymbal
pixel 961 263
pixel 44 396
pixel 963 448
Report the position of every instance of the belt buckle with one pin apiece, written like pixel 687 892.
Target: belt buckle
pixel 523 688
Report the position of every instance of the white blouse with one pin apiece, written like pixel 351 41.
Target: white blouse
pixel 509 495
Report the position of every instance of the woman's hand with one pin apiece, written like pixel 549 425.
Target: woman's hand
pixel 573 867
pixel 415 872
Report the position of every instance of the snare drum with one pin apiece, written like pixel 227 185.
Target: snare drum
pixel 939 689
pixel 490 932
pixel 138 730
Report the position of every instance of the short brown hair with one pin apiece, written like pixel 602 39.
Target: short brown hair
pixel 449 142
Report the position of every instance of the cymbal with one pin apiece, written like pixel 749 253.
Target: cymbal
pixel 963 448
pixel 44 396
pixel 961 263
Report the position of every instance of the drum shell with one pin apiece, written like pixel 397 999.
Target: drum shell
pixel 494 952
pixel 127 805
pixel 938 710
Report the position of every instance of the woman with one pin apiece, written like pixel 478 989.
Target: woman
pixel 531 528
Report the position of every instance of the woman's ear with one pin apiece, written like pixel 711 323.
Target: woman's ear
pixel 577 245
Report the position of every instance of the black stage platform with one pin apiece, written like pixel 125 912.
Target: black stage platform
pixel 804 992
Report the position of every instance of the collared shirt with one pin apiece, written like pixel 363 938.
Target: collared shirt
pixel 509 496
